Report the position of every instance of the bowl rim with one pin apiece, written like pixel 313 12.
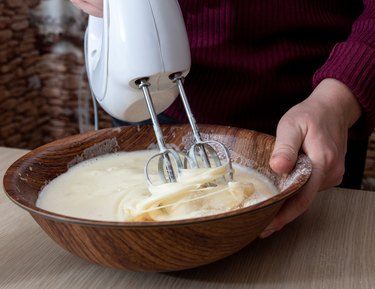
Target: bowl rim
pixel 279 197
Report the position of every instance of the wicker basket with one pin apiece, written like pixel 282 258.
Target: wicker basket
pixel 368 182
pixel 370 160
pixel 20 104
pixel 67 106
pixel 44 94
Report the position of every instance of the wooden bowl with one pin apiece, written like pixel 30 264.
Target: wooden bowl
pixel 151 246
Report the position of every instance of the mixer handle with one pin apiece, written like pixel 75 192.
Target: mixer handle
pixel 96 46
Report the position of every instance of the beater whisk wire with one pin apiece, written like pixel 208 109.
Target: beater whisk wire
pixel 165 153
pixel 205 149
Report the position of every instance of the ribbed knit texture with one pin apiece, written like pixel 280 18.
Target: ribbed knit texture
pixel 254 59
pixel 353 63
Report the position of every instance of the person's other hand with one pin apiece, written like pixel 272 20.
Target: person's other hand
pixel 319 126
pixel 92 7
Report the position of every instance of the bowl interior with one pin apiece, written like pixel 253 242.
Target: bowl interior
pixel 28 175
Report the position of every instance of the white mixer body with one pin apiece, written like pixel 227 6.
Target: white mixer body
pixel 136 39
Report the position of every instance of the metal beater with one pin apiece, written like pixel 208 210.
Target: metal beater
pixel 202 152
pixel 204 149
pixel 139 51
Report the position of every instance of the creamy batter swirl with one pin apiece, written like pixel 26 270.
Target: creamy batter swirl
pixel 113 188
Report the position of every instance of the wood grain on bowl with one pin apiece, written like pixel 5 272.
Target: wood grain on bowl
pixel 151 246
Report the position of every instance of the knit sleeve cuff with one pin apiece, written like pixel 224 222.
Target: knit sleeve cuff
pixel 353 64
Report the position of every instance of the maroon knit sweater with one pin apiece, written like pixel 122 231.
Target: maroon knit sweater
pixel 254 59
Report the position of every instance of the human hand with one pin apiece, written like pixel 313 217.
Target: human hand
pixel 92 7
pixel 319 126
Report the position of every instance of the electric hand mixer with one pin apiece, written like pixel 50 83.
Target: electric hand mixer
pixel 137 57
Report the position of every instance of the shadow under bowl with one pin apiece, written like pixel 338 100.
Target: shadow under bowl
pixel 151 246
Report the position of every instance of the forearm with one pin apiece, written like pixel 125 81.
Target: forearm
pixel 353 63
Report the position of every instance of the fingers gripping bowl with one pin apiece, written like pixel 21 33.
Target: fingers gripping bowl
pixel 151 246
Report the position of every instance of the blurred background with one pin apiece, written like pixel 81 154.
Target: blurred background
pixel 44 93
pixel 43 87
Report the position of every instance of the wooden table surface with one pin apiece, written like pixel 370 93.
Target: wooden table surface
pixel 330 246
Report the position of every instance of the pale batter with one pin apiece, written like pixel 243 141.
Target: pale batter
pixel 113 188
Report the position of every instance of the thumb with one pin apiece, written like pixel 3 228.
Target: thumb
pixel 285 152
